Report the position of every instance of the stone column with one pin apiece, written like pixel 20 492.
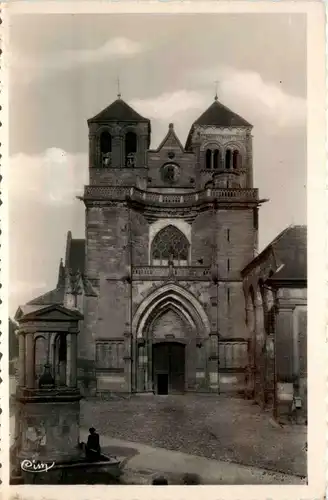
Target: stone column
pixel 249 159
pixel 30 362
pixel 21 359
pixel 118 154
pixel 250 382
pixel 150 366
pixel 127 360
pixel 72 359
pixel 92 150
pixel 213 366
pixel 259 353
pixel 141 369
pixel 191 362
pixel 284 353
pixel 142 148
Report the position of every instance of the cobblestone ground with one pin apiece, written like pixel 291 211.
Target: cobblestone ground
pixel 215 427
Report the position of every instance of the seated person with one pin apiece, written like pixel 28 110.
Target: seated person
pixel 92 448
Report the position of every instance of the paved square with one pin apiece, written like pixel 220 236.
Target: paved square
pixel 215 427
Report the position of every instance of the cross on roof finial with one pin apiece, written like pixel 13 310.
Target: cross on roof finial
pixel 118 88
pixel 216 90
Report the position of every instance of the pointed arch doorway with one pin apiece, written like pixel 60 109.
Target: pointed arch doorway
pixel 173 368
pixel 168 367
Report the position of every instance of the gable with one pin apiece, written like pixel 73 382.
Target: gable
pixel 50 313
pixel 171 141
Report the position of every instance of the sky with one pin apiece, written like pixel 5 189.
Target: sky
pixel 63 69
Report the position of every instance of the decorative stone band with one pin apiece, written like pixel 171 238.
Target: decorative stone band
pixel 120 193
pixel 148 273
pixel 60 394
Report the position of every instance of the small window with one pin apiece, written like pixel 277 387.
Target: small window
pixel 228 159
pixel 208 159
pixel 228 264
pixel 228 296
pixel 228 235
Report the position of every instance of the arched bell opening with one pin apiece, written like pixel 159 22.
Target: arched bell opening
pixel 216 159
pixel 106 149
pixel 228 159
pixel 131 147
pixel 236 159
pixel 208 159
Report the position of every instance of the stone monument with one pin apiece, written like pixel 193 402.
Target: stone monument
pixel 47 397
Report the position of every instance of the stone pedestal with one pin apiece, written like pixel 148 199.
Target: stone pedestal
pixel 49 426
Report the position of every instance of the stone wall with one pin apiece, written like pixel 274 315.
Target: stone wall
pixel 107 241
pixel 236 238
pixel 291 349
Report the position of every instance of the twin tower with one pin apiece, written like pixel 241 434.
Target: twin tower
pixel 219 142
pixel 168 231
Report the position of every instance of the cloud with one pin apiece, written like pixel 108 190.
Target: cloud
pixel 54 177
pixel 42 208
pixel 167 105
pixel 245 92
pixel 36 66
pixel 259 101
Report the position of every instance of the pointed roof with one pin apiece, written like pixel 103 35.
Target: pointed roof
pixel 219 115
pixel 118 111
pixel 75 258
pixel 171 140
pixel 61 274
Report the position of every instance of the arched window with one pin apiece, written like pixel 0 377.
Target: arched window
pixel 236 159
pixel 130 149
pixel 170 244
pixel 228 158
pixel 208 158
pixel 106 149
pixel 216 159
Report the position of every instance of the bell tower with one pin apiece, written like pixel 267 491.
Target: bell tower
pixel 222 143
pixel 118 140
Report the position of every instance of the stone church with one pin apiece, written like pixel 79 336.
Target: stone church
pixel 158 277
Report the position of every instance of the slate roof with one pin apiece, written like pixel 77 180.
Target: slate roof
pixel 290 249
pixel 119 111
pixel 219 115
pixel 55 296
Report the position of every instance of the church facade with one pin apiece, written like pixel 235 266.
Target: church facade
pixel 158 278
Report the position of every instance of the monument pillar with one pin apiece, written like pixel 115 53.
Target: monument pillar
pixel 29 363
pixel 48 410
pixel 21 358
